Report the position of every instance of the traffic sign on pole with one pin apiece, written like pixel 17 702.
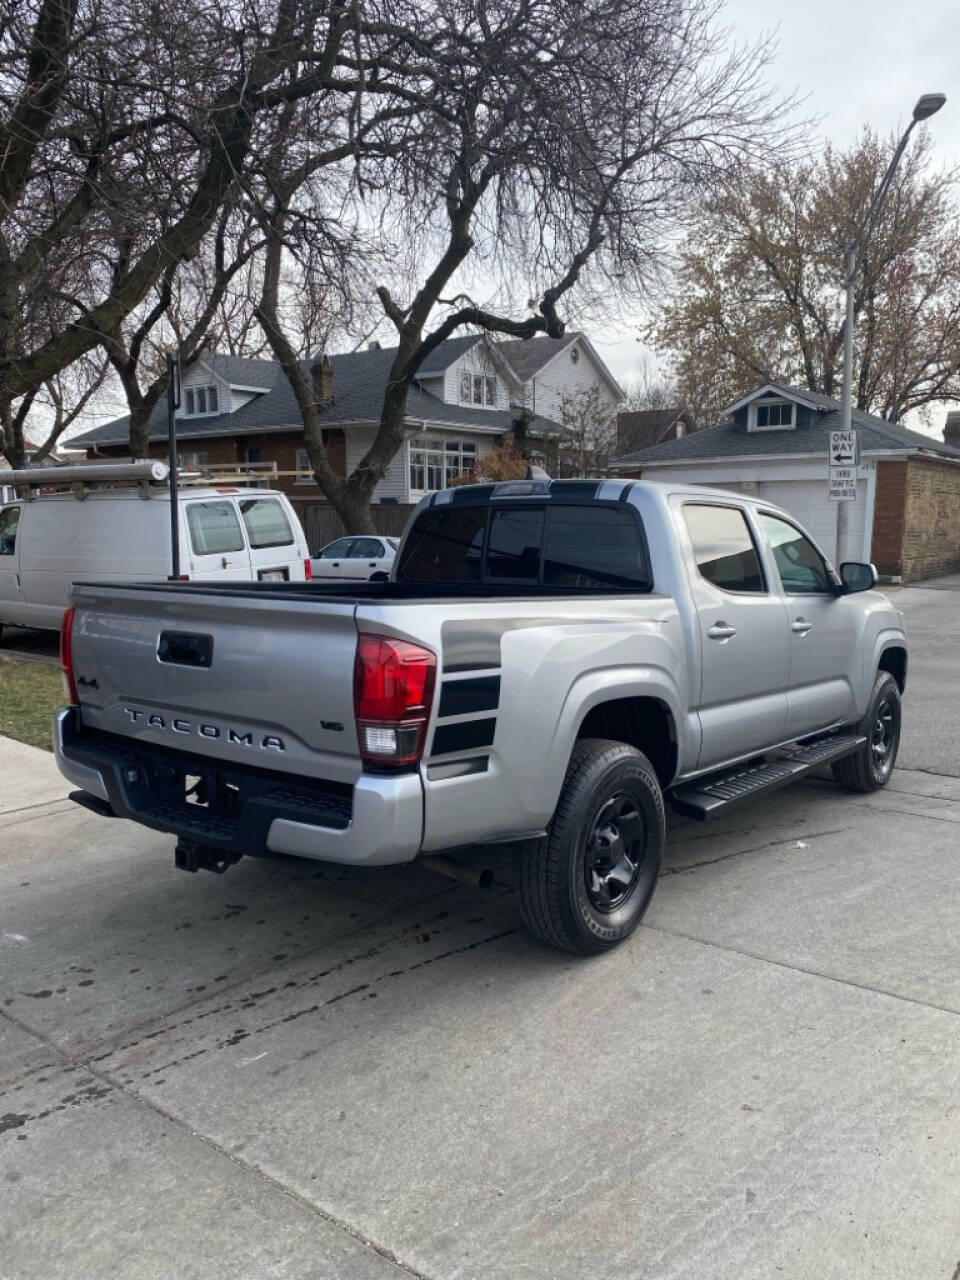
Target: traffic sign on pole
pixel 842 484
pixel 844 448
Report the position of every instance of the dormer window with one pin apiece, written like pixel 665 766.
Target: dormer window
pixel 478 388
pixel 201 402
pixel 771 415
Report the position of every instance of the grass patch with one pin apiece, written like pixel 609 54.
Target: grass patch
pixel 30 692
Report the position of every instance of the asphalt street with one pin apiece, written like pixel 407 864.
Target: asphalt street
pixel 295 1071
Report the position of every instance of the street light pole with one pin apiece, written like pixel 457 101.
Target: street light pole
pixel 927 105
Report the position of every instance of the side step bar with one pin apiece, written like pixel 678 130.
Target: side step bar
pixel 706 797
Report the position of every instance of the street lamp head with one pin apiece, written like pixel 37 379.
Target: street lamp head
pixel 928 105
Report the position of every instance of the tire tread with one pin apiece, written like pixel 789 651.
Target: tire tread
pixel 540 865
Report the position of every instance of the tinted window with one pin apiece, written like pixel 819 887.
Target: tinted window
pixel 723 548
pixel 799 563
pixel 594 547
pixel 337 550
pixel 367 549
pixel 445 545
pixel 266 521
pixel 214 528
pixel 513 551
pixel 9 523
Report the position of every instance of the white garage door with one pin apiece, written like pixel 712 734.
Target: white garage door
pixel 807 501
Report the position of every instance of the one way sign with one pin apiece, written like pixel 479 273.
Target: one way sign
pixel 844 449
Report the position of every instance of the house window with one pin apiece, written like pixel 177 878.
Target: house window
pixel 201 402
pixel 304 469
pixel 478 388
pixel 771 415
pixel 193 458
pixel 435 464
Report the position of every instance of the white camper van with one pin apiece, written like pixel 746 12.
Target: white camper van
pixel 113 527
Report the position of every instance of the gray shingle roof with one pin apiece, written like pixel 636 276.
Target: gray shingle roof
pixel 731 439
pixel 528 356
pixel 359 382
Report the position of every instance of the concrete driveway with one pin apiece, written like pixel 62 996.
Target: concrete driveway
pixel 294 1071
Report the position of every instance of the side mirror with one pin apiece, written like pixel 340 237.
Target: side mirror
pixel 857 577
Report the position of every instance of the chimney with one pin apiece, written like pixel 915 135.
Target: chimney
pixel 322 373
pixel 951 429
pixel 374 346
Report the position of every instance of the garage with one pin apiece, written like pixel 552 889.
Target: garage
pixel 774 444
pixel 807 502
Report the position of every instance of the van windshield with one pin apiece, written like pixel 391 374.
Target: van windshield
pixel 585 547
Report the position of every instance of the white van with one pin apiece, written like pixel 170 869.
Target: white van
pixel 119 535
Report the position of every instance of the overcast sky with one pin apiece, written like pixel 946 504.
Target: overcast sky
pixel 854 62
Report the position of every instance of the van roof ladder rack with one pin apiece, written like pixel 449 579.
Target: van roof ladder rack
pixel 80 476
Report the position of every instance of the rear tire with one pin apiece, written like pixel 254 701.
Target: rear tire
pixel 870 766
pixel 379 577
pixel 586 886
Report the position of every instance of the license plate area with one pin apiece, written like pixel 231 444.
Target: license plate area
pixel 273 575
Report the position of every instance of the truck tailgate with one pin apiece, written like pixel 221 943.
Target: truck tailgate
pixel 254 681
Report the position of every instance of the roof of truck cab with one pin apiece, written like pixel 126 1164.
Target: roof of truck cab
pixel 607 489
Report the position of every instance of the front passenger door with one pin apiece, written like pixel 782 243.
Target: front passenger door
pixel 744 638
pixel 824 631
pixel 330 562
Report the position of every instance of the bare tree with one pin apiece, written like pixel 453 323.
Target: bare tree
pixel 589 441
pixel 554 138
pixel 49 411
pixel 117 121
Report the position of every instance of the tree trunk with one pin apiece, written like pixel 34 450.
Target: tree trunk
pixel 140 431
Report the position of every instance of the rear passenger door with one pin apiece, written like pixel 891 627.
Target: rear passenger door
pixel 217 545
pixel 272 540
pixel 743 633
pixel 365 559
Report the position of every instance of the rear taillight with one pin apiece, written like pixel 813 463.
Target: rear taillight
pixel 308 570
pixel 393 684
pixel 66 657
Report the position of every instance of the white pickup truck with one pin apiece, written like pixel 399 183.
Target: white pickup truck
pixel 549 664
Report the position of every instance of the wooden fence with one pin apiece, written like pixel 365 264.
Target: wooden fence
pixel 322 524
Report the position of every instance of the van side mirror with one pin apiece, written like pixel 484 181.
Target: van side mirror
pixel 857 577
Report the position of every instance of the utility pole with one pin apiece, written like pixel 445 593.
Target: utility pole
pixel 173 404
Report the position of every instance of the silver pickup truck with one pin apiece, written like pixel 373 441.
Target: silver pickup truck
pixel 550 664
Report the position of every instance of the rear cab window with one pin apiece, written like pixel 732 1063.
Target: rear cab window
pixel 266 523
pixel 214 527
pixel 573 546
pixel 723 547
pixel 9 524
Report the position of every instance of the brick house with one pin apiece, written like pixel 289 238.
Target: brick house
pixel 467 396
pixel 773 444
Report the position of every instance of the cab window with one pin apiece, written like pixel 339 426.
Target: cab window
pixel 214 528
pixel 9 523
pixel 338 550
pixel 366 549
pixel 723 547
pixel 800 565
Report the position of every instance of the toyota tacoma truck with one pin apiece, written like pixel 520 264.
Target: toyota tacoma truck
pixel 550 664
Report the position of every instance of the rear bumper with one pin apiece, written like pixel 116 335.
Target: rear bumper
pixel 377 821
